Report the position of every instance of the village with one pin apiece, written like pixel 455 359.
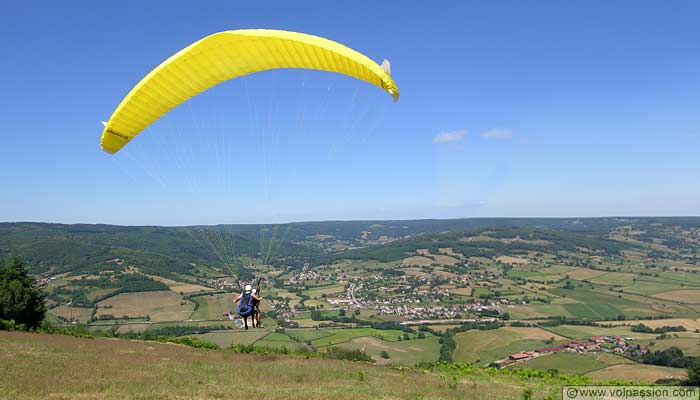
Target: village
pixel 608 344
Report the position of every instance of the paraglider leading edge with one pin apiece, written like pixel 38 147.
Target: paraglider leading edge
pixel 227 55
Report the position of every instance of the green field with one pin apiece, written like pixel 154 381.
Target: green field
pixel 595 304
pixel 648 288
pixel 328 290
pixel 592 310
pixel 525 274
pixel 212 307
pixel 307 334
pixel 345 335
pixel 277 337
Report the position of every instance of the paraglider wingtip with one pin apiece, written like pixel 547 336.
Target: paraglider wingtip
pixel 395 95
pixel 386 66
pixel 107 151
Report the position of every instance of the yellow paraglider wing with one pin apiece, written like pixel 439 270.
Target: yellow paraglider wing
pixel 227 55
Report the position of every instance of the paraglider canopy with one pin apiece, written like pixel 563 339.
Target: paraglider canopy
pixel 227 55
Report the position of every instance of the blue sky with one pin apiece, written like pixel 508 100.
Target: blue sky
pixel 508 108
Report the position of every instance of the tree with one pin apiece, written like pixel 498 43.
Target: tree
pixel 384 354
pixel 341 312
pixel 693 375
pixel 20 299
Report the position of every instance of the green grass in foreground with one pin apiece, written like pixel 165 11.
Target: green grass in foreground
pixel 37 366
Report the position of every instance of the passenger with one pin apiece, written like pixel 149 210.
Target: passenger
pixel 245 302
pixel 256 306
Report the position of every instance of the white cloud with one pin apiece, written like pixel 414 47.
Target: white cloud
pixel 446 137
pixel 497 133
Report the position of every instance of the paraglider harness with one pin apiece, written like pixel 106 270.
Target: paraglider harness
pixel 245 305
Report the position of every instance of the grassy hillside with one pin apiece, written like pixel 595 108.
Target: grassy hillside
pixel 38 366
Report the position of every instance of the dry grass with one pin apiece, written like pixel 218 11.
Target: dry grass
pixel 636 373
pixel 417 260
pixel 690 296
pixel 512 260
pixel 443 328
pixel 584 273
pixel 445 260
pixel 416 272
pixel 532 333
pixel 690 324
pixel 61 367
pixel 689 345
pixel 181 287
pixel 133 328
pixel 444 274
pixel 466 291
pixel 80 314
pixel 160 305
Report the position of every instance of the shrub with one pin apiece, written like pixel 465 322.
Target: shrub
pixel 347 354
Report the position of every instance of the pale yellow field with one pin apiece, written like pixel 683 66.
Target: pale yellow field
pixel 293 298
pixel 690 324
pixel 327 290
pixel 445 260
pixel 180 287
pixel 467 291
pixel 512 260
pixel 444 274
pixel 691 296
pixel 443 328
pixel 160 306
pixel 611 359
pixel 523 311
pixel 689 344
pixel 584 273
pixel 615 278
pixel 481 260
pixel 416 272
pixel 132 328
pixel 79 314
pixel 320 237
pixel 306 322
pixel 518 239
pixel 637 373
pixel 532 333
pixel 417 260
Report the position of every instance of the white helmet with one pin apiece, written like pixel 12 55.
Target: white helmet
pixel 248 288
pixel 255 291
